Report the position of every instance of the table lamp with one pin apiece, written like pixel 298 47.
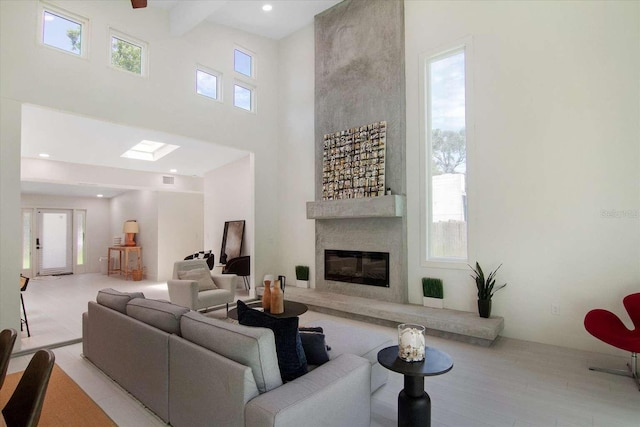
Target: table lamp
pixel 130 229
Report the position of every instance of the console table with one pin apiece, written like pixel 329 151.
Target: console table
pixel 414 404
pixel 124 268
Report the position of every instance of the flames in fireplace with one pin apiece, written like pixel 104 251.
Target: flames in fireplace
pixel 364 268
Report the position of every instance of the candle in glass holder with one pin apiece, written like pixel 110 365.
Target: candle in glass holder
pixel 411 343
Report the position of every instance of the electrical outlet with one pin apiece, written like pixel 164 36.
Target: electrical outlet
pixel 555 309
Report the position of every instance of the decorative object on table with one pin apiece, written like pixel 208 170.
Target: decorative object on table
pixel 432 292
pixel 266 295
pixel 232 238
pixel 607 327
pixel 277 299
pixel 411 342
pixel 486 289
pixel 302 276
pixel 353 162
pixel 117 241
pixel 130 229
pixel 283 281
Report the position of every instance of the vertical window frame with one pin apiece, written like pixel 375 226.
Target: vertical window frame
pixel 212 72
pixel 144 55
pixel 466 45
pixel 65 14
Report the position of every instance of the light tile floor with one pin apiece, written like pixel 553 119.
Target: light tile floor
pixel 513 383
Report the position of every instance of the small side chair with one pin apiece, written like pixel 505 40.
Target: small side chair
pixel 25 404
pixel 608 327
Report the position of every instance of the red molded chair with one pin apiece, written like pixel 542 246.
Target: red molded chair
pixel 607 327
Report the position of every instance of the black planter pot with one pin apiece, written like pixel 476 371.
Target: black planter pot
pixel 484 308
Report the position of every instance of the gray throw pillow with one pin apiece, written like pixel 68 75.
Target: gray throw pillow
pixel 200 275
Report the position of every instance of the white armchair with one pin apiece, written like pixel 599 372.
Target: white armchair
pixel 197 294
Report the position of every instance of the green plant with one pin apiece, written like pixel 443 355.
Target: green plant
pixel 486 286
pixel 432 287
pixel 302 272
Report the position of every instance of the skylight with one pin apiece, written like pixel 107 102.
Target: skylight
pixel 149 150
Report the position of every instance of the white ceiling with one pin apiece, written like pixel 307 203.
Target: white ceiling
pixel 83 140
pixel 286 17
pixel 76 139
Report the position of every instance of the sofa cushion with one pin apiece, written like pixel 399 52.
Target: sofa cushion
pixel 116 300
pixel 160 314
pixel 200 275
pixel 252 347
pixel 291 358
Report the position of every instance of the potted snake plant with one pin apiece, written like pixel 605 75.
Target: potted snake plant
pixel 486 289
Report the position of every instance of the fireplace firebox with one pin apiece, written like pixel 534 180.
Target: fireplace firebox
pixel 364 268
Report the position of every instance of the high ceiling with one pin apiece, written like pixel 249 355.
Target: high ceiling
pixel 70 138
pixel 286 17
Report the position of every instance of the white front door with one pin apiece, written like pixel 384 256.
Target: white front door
pixel 54 244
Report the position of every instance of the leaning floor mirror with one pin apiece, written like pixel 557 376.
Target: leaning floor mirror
pixel 231 241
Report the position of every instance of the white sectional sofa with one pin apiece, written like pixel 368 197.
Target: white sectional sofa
pixel 192 370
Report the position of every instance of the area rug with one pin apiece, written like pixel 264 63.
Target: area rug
pixel 65 403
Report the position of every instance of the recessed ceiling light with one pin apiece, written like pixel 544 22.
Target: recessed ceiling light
pixel 267 7
pixel 99 195
pixel 44 155
pixel 149 150
pixel 173 170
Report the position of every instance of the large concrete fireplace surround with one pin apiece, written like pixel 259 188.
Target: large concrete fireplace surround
pixel 360 79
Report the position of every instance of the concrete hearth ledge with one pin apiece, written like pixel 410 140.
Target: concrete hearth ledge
pixel 453 324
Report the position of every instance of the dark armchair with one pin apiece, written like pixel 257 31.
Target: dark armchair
pixel 240 266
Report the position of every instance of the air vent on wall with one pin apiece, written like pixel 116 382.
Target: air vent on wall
pixel 168 180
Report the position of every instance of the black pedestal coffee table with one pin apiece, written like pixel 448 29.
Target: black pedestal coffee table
pixel 291 309
pixel 414 404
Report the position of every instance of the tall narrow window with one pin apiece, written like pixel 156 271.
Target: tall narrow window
pixel 128 54
pixel 63 30
pixel 81 222
pixel 243 62
pixel 446 162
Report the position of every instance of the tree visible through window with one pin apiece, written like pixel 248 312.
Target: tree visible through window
pixel 61 32
pixel 126 55
pixel 447 169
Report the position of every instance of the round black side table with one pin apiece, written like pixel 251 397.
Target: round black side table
pixel 414 404
pixel 291 309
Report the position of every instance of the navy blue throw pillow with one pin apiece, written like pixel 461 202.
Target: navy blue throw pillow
pixel 314 345
pixel 291 359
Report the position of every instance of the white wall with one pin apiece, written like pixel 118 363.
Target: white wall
pixel 165 100
pixel 141 206
pixel 180 229
pixel 229 197
pixel 296 153
pixel 10 266
pixel 556 102
pixel 97 236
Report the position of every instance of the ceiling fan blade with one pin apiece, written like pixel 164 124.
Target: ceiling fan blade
pixel 138 3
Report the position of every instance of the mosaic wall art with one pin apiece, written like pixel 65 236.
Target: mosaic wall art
pixel 353 162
